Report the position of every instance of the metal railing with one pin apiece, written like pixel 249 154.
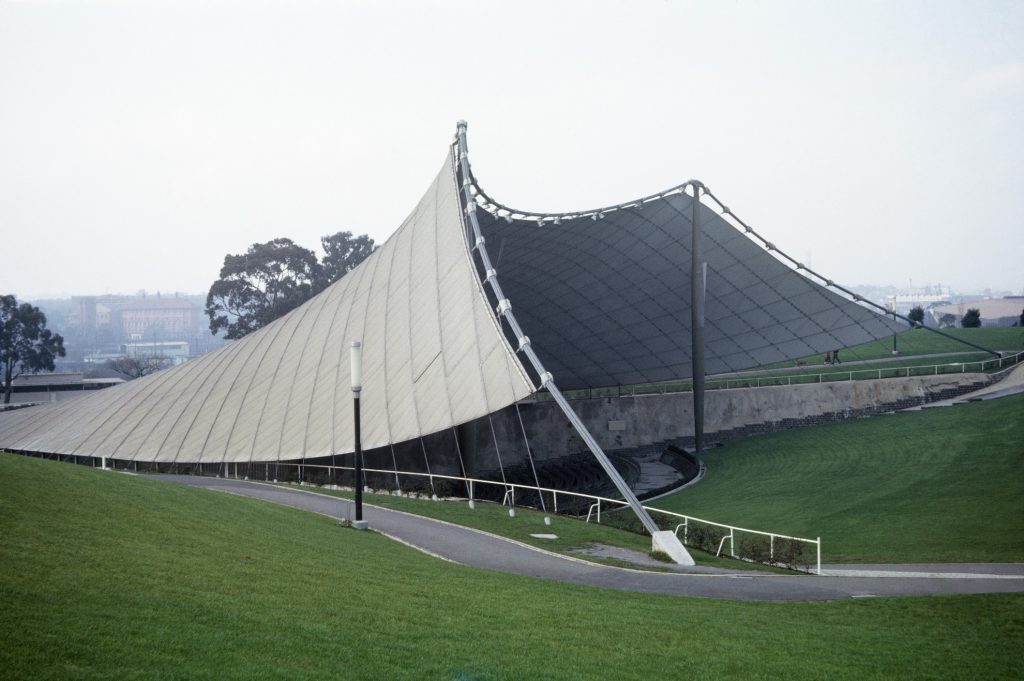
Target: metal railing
pixel 594 509
pixel 980 366
pixel 731 536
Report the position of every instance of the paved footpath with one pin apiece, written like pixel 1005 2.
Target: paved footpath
pixel 484 550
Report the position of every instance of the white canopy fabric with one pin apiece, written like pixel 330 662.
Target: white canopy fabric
pixel 433 357
pixel 604 299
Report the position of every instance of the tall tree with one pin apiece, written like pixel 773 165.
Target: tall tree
pixel 260 285
pixel 272 279
pixel 342 253
pixel 916 314
pixel 26 345
pixel 972 319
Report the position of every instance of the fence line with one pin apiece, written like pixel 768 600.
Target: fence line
pixel 594 509
pixel 979 366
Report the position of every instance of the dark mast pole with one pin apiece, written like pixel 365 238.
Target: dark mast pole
pixel 697 274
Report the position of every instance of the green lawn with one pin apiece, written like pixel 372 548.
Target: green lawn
pixel 925 342
pixel 911 343
pixel 105 575
pixel 944 484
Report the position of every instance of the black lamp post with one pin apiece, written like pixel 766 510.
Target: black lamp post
pixel 357 387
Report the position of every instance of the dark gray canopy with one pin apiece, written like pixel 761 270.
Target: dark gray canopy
pixel 606 301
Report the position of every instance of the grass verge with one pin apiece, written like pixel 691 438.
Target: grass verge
pixel 943 485
pixel 105 575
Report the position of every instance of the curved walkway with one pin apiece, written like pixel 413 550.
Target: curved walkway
pixel 481 549
pixel 1010 384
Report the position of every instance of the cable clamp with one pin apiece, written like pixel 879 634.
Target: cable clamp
pixel 504 306
pixel 523 342
pixel 546 378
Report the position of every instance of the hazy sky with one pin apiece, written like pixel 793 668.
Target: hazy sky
pixel 141 141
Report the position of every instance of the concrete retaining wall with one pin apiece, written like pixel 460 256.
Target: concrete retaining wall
pixel 623 422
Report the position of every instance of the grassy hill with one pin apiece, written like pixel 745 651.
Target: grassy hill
pixel 105 575
pixel 925 342
pixel 944 484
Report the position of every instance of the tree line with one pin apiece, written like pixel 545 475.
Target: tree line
pixel 970 320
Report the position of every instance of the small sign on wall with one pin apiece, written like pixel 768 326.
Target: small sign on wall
pixel 616 425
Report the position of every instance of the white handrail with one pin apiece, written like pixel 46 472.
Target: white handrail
pixel 798 379
pixel 509 498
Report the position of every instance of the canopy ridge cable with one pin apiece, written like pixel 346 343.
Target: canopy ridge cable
pixel 462 463
pixel 828 283
pixel 426 460
pixel 529 456
pixel 394 462
pixel 497 450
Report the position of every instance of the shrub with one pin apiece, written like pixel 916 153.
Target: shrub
pixel 443 488
pixel 793 553
pixel 972 319
pixel 757 549
pixel 623 519
pixel 705 537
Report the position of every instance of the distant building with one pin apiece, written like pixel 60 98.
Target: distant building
pixel 148 317
pixel 138 318
pixel 994 311
pixel 924 298
pixel 51 387
pixel 177 352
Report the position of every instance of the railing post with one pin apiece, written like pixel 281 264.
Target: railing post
pixel 771 547
pixel 819 556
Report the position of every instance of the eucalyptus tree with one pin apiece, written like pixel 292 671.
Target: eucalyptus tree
pixel 26 345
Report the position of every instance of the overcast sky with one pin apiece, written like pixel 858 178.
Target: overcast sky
pixel 142 141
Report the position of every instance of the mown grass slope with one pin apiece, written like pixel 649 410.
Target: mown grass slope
pixel 944 484
pixel 104 575
pixel 925 342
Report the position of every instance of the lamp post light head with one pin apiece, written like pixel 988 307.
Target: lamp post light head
pixel 357 367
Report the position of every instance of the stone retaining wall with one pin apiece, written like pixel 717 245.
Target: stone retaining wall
pixel 634 421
